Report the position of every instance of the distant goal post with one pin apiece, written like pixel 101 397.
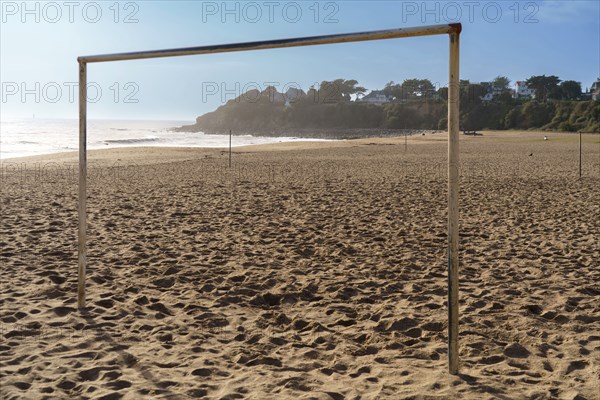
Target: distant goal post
pixel 452 30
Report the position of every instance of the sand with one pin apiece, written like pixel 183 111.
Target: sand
pixel 307 271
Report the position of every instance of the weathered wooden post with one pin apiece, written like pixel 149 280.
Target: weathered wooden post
pixel 81 237
pixel 453 185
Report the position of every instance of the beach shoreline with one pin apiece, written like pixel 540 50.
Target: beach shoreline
pixel 418 137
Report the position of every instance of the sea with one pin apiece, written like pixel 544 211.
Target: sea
pixel 34 136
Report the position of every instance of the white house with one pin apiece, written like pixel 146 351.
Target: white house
pixel 491 91
pixel 376 97
pixel 523 91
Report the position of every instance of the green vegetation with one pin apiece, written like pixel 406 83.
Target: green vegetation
pixel 414 104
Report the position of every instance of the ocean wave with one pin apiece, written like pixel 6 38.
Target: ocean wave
pixel 131 140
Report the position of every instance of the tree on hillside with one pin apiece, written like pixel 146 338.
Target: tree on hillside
pixel 339 90
pixel 545 86
pixel 408 89
pixel 501 83
pixel 349 87
pixel 395 91
pixel 388 89
pixel 417 88
pixel 270 95
pixel 329 93
pixel 570 90
pixel 470 94
pixel 443 93
pixel 505 97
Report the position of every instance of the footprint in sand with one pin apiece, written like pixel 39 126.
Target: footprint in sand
pixel 515 350
pixel 576 365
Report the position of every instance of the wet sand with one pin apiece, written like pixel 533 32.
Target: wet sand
pixel 306 271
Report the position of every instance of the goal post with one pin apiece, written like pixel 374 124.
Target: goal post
pixel 452 30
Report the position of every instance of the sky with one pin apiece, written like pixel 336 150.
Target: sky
pixel 40 42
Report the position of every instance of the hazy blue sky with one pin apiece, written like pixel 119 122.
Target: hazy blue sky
pixel 40 41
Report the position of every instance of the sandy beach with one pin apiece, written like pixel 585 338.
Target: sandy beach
pixel 308 270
